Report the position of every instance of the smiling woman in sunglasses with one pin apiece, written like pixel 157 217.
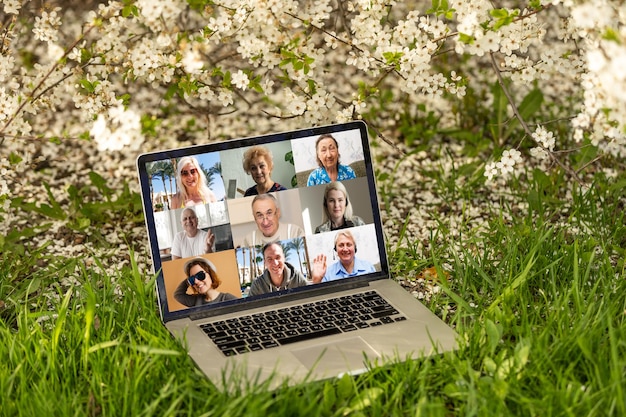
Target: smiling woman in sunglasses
pixel 192 185
pixel 202 282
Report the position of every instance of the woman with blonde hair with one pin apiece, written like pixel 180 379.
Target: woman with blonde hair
pixel 337 213
pixel 258 163
pixel 192 184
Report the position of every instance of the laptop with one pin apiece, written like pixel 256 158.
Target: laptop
pixel 284 286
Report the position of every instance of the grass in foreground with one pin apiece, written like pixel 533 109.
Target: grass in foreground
pixel 540 311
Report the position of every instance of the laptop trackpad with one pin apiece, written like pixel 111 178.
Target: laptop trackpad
pixel 337 357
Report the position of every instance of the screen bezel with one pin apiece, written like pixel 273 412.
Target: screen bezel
pixel 302 292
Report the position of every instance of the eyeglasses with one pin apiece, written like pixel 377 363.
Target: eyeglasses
pixel 186 173
pixel 269 215
pixel 201 276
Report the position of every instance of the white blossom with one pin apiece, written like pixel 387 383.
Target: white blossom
pixel 12 6
pixel 240 80
pixel 544 138
pixel 47 25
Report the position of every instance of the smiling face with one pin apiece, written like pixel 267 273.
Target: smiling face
pixel 266 216
pixel 202 287
pixel 260 170
pixel 345 249
pixel 189 221
pixel 328 153
pixel 336 205
pixel 190 176
pixel 274 258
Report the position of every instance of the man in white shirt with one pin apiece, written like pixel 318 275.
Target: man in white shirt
pixel 266 216
pixel 192 241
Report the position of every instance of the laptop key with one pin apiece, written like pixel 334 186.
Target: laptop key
pixel 223 340
pixel 383 313
pixel 215 335
pixel 231 345
pixel 307 336
pixel 348 328
pixel 242 349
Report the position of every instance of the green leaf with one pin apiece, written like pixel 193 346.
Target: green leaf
pixel 466 39
pixel 503 17
pixel 199 5
pixel 490 366
pixel 493 335
pixel 345 387
pixel 499 13
pixel 100 183
pixel 611 35
pixel 522 353
pixel 226 81
pixel 130 10
pixel 531 103
pixel 329 398
pixel 289 157
pixel 312 86
pixel 88 86
pixel 440 8
pixel 15 159
pixel 363 401
pixel 52 210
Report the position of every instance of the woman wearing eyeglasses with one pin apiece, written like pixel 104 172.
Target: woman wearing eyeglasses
pixel 192 184
pixel 202 281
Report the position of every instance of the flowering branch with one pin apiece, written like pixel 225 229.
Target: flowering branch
pixel 31 94
pixel 162 69
pixel 524 125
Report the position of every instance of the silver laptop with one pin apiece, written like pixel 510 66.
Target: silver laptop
pixel 271 259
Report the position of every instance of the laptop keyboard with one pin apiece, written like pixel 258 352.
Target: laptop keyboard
pixel 302 322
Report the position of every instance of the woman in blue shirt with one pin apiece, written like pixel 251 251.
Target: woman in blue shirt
pixel 327 153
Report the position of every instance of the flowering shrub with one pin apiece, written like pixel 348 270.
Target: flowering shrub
pixel 545 76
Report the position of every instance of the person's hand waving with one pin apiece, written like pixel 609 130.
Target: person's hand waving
pixel 210 241
pixel 318 269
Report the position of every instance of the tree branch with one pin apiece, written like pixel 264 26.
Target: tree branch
pixel 524 125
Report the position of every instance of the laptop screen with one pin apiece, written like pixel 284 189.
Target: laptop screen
pixel 261 217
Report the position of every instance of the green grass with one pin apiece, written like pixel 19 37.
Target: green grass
pixel 539 303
